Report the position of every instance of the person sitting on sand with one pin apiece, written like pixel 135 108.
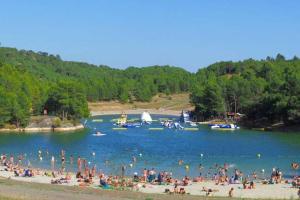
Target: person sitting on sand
pixel 208 191
pixel 230 194
pixel 136 177
pixel 78 175
pixel 252 185
pixel 16 173
pixel 244 183
pixel 152 176
pixel 198 179
pixel 103 181
pixel 28 173
pixel 68 177
pixel 185 181
pixel 160 178
pixel 182 191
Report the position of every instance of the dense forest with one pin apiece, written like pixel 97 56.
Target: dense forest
pixel 265 91
pixel 34 81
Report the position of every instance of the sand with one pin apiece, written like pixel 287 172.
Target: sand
pixel 137 111
pixel 272 191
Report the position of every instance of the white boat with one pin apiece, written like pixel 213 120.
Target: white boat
pixel 146 118
pixel 193 124
pixel 225 126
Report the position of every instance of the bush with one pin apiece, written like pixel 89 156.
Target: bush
pixel 57 122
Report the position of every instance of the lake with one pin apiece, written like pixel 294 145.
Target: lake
pixel 160 149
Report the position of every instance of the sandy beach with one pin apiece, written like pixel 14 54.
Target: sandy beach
pixel 261 191
pixel 137 111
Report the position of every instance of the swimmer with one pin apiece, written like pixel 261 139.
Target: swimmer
pixel 258 155
pixel 187 167
pixel 71 159
pixel 52 162
pixel 295 166
pixel 133 159
pixel 180 162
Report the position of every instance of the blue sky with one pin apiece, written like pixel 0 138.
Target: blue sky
pixel 121 33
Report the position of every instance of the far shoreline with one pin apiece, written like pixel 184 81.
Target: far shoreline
pixel 42 129
pixel 136 112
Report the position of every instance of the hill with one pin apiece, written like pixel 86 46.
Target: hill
pixel 33 83
pixel 264 91
pixel 101 82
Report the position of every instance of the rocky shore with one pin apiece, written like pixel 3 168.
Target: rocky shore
pixel 45 124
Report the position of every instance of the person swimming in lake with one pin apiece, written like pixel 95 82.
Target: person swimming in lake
pixel 134 159
pixel 180 162
pixel 71 160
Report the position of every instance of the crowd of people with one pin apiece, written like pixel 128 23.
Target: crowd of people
pixel 90 176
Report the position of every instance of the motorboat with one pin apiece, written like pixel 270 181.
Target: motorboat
pixel 193 124
pixel 225 126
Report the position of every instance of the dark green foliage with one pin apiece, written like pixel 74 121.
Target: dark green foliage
pixel 68 100
pixel 101 82
pixel 20 96
pixel 32 82
pixel 267 91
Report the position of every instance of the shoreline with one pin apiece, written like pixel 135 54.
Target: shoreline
pixel 193 189
pixel 42 129
pixel 136 111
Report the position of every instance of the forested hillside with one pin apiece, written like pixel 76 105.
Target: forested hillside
pixel 266 91
pixel 101 82
pixel 32 82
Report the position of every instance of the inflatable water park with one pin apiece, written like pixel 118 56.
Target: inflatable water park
pixel 183 122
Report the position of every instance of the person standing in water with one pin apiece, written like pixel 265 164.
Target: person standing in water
pixel 123 168
pixel 71 160
pixel 62 157
pixel 79 164
pixel 52 163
